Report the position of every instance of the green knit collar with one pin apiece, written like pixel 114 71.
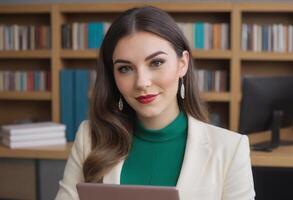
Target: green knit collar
pixel 173 130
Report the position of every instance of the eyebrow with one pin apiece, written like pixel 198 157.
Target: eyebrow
pixel 147 58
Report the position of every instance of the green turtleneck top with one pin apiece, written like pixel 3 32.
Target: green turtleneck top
pixel 156 156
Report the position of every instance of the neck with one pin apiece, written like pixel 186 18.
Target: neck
pixel 160 121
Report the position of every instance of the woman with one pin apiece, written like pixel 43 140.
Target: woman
pixel 147 123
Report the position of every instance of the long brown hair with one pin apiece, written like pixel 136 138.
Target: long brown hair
pixel 111 129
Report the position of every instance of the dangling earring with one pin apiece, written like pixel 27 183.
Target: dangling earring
pixel 182 89
pixel 120 104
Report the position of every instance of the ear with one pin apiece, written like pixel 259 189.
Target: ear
pixel 183 63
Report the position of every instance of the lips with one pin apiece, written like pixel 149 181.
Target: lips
pixel 146 99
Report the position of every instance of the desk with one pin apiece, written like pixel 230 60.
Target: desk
pixel 279 157
pixel 59 152
pixel 273 171
pixel 32 173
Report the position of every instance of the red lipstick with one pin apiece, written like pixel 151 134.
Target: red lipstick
pixel 146 99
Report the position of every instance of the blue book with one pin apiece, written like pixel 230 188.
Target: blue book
pixel 95 34
pixel 67 102
pixel 99 34
pixel 91 35
pixel 199 35
pixel 81 90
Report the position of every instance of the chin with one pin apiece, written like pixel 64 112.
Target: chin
pixel 148 113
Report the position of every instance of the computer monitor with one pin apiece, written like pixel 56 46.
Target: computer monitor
pixel 267 104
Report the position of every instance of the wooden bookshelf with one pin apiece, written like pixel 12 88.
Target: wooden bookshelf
pixel 266 56
pixel 36 96
pixel 29 54
pixel 237 61
pixel 211 54
pixel 79 54
pixel 216 96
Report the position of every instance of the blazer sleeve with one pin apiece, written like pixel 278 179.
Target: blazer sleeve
pixel 238 182
pixel 73 173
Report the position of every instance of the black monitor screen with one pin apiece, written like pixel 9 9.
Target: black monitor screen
pixel 260 97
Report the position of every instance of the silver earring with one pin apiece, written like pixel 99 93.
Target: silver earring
pixel 182 89
pixel 120 104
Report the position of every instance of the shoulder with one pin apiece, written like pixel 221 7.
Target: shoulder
pixel 220 139
pixel 221 136
pixel 229 159
pixel 83 132
pixel 82 140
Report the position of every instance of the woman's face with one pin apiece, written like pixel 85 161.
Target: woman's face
pixel 146 71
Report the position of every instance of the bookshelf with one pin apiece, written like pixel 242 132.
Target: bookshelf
pixel 20 106
pixel 46 105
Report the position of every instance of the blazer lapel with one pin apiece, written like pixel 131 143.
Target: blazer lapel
pixel 113 176
pixel 197 154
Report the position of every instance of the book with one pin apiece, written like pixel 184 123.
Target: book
pixel 33 136
pixel 95 34
pixel 199 35
pixel 67 101
pixel 81 88
pixel 35 143
pixel 21 129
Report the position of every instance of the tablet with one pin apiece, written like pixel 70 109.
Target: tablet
pixel 96 191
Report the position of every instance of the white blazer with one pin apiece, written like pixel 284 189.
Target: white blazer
pixel 216 165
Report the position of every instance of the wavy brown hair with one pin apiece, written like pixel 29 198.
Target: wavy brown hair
pixel 111 129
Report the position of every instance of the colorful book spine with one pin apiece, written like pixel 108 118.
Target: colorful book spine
pixel 267 38
pixel 24 81
pixel 212 80
pixel 19 37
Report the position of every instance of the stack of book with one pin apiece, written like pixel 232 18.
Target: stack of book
pixel 33 134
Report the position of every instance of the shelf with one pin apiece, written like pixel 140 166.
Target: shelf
pixel 93 54
pixel 47 152
pixel 216 96
pixel 261 7
pixel 28 54
pixel 169 7
pixel 212 54
pixel 8 9
pixel 25 95
pixel 266 56
pixel 79 54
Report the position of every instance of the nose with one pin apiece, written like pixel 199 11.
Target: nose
pixel 143 79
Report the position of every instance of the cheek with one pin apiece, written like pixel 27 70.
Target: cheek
pixel 169 80
pixel 123 84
